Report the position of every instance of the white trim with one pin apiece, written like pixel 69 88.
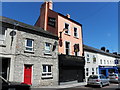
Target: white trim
pixel 47 72
pixel 29 46
pixel 45 48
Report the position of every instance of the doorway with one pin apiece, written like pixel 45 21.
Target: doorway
pixel 28 74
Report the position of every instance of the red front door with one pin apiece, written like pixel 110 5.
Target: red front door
pixel 27 74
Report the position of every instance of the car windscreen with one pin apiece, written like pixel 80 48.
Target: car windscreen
pixel 93 77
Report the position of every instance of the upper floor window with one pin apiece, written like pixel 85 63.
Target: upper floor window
pixel 2 33
pixel 107 61
pixel 47 72
pixel 29 44
pixel 100 61
pixel 75 32
pixel 67 27
pixel 104 62
pixel 67 48
pixel 94 59
pixel 88 58
pixel 47 48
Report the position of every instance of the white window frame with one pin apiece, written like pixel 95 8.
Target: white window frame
pixel 29 46
pixel 88 57
pixel 104 61
pixel 46 50
pixel 101 61
pixel 93 71
pixel 2 37
pixel 69 47
pixel 87 71
pixel 67 29
pixel 95 58
pixel 47 72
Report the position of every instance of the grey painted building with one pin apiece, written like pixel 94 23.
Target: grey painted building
pixel 29 54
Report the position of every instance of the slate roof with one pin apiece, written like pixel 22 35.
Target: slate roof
pixel 92 49
pixel 5 20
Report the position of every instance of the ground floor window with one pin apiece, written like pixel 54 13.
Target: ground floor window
pixel 47 71
pixel 92 70
pixel 87 72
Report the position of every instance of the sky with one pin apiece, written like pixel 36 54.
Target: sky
pixel 99 19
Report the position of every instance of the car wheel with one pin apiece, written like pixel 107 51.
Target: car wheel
pixel 108 83
pixel 101 85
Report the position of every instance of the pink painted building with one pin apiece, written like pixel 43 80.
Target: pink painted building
pixel 70 41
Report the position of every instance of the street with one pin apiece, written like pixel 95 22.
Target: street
pixel 112 86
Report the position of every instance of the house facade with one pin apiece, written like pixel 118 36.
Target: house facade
pixel 70 48
pixel 99 62
pixel 28 54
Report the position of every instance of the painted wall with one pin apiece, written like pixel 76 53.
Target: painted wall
pixel 60 24
pixel 70 38
pixel 109 61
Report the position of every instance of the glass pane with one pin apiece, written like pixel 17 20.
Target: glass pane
pixel 29 42
pixel 49 68
pixel 44 68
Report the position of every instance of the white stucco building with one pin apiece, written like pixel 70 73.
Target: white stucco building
pixel 98 61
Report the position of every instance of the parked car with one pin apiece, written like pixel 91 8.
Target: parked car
pixel 114 77
pixel 98 80
pixel 7 85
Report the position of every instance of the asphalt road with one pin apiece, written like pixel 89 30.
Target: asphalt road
pixel 110 87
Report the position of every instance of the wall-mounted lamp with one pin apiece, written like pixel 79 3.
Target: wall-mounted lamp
pixel 13 33
pixel 60 40
pixel 62 32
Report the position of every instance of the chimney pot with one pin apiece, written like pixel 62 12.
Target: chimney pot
pixel 103 48
pixel 50 5
pixel 68 15
pixel 107 50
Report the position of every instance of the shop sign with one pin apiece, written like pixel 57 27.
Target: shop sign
pixel 51 21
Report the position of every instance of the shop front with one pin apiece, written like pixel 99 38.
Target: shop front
pixel 71 68
pixel 106 70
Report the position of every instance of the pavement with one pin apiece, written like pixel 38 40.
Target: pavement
pixel 64 86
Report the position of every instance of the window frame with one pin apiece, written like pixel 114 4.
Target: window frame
pixel 45 50
pixel 76 32
pixel 87 71
pixel 31 47
pixel 66 48
pixel 67 29
pixel 47 74
pixel 101 61
pixel 88 57
pixel 94 57
pixel 3 36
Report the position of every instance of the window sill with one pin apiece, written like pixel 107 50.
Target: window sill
pixel 49 54
pixel 67 34
pixel 47 77
pixel 27 51
pixel 76 37
pixel 2 45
